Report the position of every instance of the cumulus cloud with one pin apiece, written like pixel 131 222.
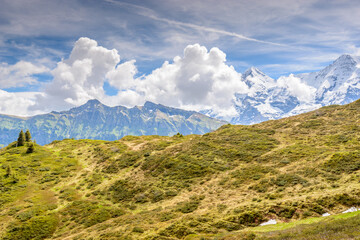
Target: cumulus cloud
pixel 17 103
pixel 127 98
pixel 200 79
pixel 80 77
pixel 19 74
pixel 296 87
pixel 122 77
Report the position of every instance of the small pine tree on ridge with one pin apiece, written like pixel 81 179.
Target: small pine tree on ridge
pixel 27 136
pixel 21 139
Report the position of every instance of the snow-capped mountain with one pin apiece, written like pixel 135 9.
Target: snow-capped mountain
pixel 267 98
pixel 339 83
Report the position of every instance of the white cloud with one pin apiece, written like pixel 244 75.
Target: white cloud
pixel 296 87
pixel 122 76
pixel 127 98
pixel 17 103
pixel 354 50
pixel 79 78
pixel 200 79
pixel 19 74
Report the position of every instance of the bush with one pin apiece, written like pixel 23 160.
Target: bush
pixel 128 159
pixel 188 206
pixel 90 213
pixel 39 227
pixel 254 172
pixel 31 148
pixel 287 212
pixel 94 180
pixel 138 230
pixel 166 216
pixel 124 190
pixel 286 180
pixel 343 163
pixel 248 218
pixel 99 216
pixel 111 168
pixel 347 200
pixel 156 195
pixel 228 226
pixel 178 230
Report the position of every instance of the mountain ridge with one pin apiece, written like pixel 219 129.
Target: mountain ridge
pixel 95 120
pixel 267 98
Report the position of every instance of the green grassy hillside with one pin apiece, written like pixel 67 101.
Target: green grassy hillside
pixel 220 185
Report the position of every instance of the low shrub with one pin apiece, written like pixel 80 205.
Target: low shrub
pixel 287 180
pixel 346 162
pixel 38 227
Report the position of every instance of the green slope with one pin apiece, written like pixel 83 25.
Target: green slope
pixel 207 186
pixel 337 227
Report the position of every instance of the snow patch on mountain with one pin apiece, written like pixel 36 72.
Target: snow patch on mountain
pixel 267 98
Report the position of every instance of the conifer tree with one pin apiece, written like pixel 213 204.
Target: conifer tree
pixel 27 136
pixel 21 139
pixel 31 148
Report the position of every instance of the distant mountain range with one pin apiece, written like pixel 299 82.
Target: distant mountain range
pixel 267 98
pixel 95 120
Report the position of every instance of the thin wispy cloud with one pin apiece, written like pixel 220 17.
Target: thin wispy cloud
pixel 150 14
pixel 213 30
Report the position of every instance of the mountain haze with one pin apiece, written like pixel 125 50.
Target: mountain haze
pixel 95 120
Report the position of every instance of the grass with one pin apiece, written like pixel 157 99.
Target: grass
pixel 345 227
pixel 335 227
pixel 220 185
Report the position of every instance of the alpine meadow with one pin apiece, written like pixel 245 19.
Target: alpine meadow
pixel 179 120
pixel 220 185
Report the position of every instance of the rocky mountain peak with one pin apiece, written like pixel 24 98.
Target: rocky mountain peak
pixel 151 105
pixel 346 59
pixel 253 72
pixel 93 103
pixel 257 80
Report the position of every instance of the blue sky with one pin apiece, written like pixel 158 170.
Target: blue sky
pixel 278 37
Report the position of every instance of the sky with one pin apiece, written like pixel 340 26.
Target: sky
pixel 58 54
